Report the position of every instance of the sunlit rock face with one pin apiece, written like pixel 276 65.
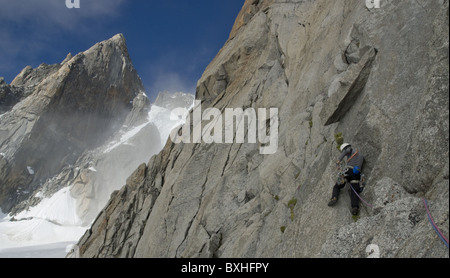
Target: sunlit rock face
pixel 377 76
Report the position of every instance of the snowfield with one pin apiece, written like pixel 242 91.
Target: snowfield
pixel 52 221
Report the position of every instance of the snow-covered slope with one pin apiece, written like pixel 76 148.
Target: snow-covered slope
pixel 52 220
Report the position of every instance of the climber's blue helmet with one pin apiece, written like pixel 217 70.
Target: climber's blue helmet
pixel 356 170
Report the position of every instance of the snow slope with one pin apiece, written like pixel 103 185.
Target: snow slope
pixel 52 220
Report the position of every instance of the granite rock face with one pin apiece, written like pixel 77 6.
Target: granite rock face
pixel 57 112
pixel 23 85
pixel 378 76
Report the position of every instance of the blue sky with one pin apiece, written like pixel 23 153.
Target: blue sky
pixel 170 41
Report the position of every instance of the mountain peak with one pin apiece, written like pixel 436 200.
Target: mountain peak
pixel 119 39
pixel 72 107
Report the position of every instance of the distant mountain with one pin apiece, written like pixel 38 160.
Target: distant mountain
pixel 174 100
pixel 64 110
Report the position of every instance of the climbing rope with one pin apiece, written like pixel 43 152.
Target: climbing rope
pixel 436 229
pixel 366 203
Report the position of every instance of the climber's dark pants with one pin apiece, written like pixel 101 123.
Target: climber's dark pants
pixel 353 197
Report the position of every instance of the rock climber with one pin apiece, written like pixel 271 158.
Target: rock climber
pixel 352 175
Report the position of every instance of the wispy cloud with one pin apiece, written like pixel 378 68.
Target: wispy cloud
pixel 161 80
pixel 175 70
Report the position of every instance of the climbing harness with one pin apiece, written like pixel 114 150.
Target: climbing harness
pixel 436 229
pixel 341 180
